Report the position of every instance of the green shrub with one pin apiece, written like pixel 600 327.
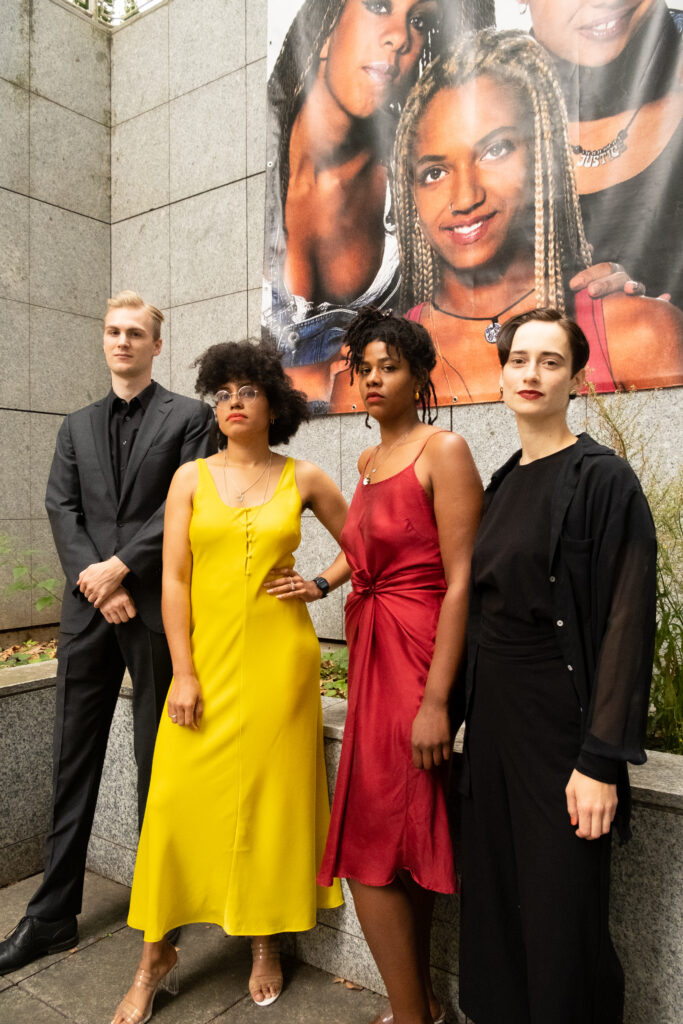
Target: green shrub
pixel 334 669
pixel 45 590
pixel 617 421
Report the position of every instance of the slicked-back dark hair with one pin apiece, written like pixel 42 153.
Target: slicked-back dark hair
pixel 578 342
pixel 407 338
pixel 259 364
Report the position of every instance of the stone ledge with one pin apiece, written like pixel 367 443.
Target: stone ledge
pixel 658 782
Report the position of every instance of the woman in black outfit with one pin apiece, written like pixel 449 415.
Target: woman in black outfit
pixel 561 637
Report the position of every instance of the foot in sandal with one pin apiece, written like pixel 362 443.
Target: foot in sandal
pixel 158 969
pixel 265 983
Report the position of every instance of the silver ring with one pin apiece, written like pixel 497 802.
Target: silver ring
pixel 173 717
pixel 291 583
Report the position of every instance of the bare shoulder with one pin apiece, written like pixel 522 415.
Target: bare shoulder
pixel 364 456
pixel 649 317
pixel 187 474
pixel 309 477
pixel 184 482
pixel 645 339
pixel 446 447
pixel 306 472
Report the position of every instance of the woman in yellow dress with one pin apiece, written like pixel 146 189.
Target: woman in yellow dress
pixel 238 810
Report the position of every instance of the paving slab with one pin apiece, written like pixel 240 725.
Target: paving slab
pixel 310 997
pixel 105 906
pixel 18 1007
pixel 87 986
pixel 83 986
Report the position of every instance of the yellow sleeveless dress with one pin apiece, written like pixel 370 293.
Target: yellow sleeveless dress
pixel 238 811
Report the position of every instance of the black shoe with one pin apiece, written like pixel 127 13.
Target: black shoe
pixel 33 938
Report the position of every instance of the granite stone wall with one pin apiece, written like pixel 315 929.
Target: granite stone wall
pixel 54 258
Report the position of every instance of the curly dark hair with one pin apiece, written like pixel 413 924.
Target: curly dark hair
pixel 407 338
pixel 258 363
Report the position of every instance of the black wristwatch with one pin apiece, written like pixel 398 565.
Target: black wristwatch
pixel 322 585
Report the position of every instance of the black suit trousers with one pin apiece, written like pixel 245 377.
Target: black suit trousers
pixel 90 670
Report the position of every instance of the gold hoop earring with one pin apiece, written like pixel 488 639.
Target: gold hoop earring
pixel 272 420
pixel 417 396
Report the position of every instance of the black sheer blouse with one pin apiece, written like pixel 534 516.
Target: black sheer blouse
pixel 602 566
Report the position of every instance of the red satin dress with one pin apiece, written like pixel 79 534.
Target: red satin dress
pixel 388 815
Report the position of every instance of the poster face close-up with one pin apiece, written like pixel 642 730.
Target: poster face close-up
pixel 462 163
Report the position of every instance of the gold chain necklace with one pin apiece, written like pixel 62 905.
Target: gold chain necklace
pixel 240 494
pixel 373 457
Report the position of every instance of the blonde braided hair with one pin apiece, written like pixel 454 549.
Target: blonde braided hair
pixel 560 247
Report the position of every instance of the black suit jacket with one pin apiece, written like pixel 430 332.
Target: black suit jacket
pixel 90 523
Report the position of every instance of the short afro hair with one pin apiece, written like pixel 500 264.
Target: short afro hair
pixel 259 364
pixel 407 338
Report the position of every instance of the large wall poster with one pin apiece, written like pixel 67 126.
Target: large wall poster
pixel 424 159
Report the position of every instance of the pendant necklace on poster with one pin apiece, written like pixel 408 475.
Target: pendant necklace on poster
pixel 373 457
pixel 611 151
pixel 492 329
pixel 241 494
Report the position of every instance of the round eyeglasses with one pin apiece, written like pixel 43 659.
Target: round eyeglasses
pixel 245 394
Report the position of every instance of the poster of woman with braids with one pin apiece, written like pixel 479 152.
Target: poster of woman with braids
pixel 420 163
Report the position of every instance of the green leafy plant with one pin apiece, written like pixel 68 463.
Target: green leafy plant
pixel 28 652
pixel 44 589
pixel 334 670
pixel 618 421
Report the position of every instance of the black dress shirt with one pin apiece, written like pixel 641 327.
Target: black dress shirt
pixel 125 419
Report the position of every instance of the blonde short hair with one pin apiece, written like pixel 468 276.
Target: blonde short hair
pixel 131 300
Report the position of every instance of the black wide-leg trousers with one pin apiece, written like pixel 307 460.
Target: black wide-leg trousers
pixel 534 945
pixel 91 665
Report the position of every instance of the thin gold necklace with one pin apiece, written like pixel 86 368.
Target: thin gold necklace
pixel 240 494
pixel 373 458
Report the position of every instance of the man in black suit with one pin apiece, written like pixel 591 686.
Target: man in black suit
pixel 106 493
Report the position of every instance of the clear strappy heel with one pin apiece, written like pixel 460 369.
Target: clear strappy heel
pixel 265 947
pixel 144 983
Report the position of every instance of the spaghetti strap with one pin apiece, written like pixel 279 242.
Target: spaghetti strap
pixel 362 472
pixel 427 440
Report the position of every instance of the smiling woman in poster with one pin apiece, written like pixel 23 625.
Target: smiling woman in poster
pixel 489 225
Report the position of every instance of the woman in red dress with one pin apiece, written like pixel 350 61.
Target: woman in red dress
pixel 408 541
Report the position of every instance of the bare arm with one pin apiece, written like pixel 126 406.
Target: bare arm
pixel 457 507
pixel 185 698
pixel 320 494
